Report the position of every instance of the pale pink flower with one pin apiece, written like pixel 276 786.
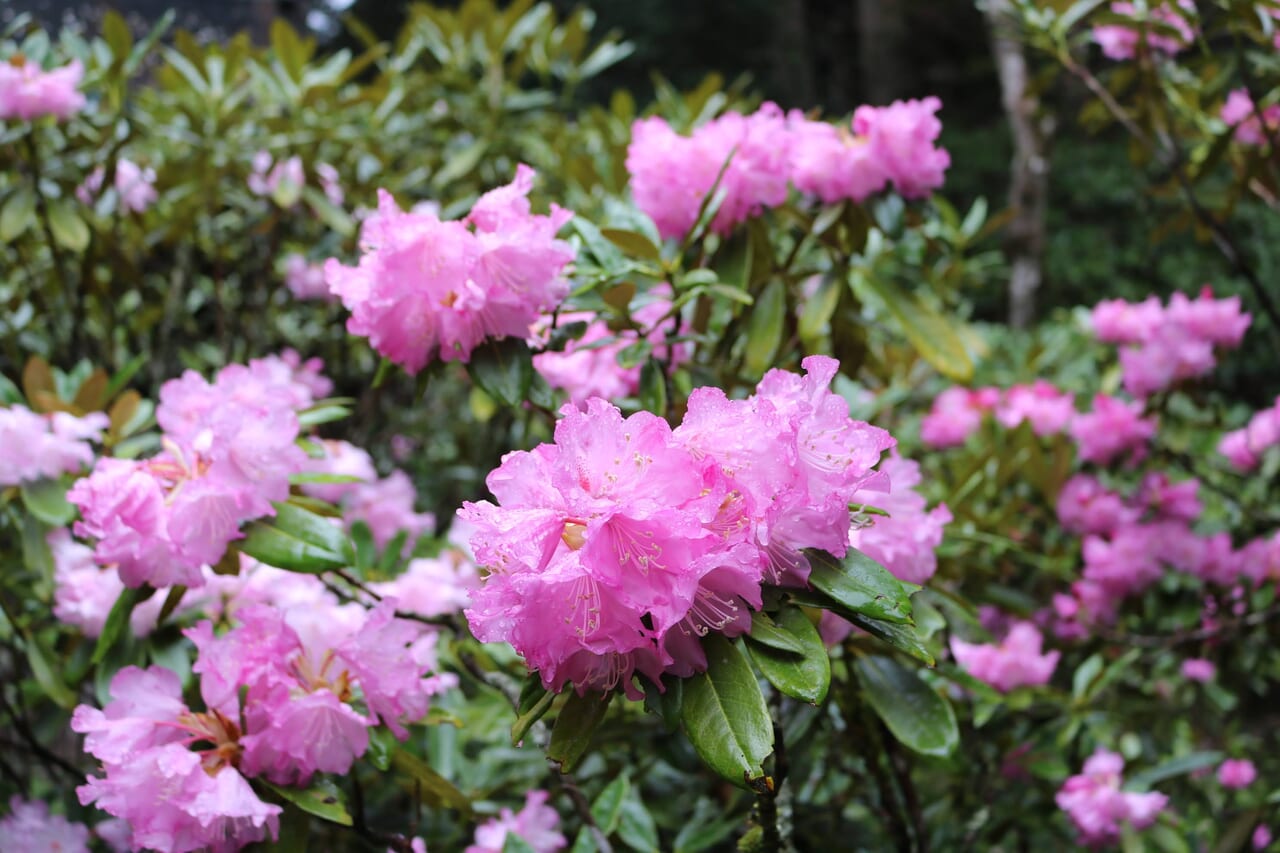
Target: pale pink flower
pixel 1016 661
pixel 537 824
pixel 37 447
pixel 1111 429
pixel 134 185
pixel 30 827
pixel 1096 805
pixel 1239 112
pixel 28 92
pixel 343 459
pixel 831 162
pixel 904 542
pixel 1120 41
pixel 956 414
pixel 901 140
pixel 386 505
pixel 1119 322
pixel 1199 669
pixel 330 184
pixel 305 280
pixel 1244 447
pixel 433 586
pixel 1086 506
pixel 1049 410
pixel 1237 773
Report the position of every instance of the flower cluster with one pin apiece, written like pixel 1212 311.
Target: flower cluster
pixel 134 185
pixel 1237 773
pixel 426 288
pixel 1244 447
pixel 904 542
pixel 287 693
pixel 1097 807
pixel 1016 661
pixel 384 504
pixel 755 157
pixel 615 548
pixel 536 824
pixel 229 450
pixel 588 366
pixel 29 826
pixel 1165 345
pixel 36 447
pixel 1120 41
pixel 27 91
pixel 1253 125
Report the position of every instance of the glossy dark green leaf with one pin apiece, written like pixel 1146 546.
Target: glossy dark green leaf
pixel 934 336
pixel 577 721
pixel 637 828
pixel 1143 780
pixel 806 676
pixel 653 387
pixel 503 370
pixel 606 811
pixel 18 213
pixel 765 632
pixel 913 712
pixel 725 716
pixel 298 540
pixel 47 500
pixel 764 329
pixel 860 584
pixel 322 799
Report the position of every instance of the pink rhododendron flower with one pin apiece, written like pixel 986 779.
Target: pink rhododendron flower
pixel 27 91
pixel 343 459
pixel 1116 321
pixel 1016 661
pixel 1239 112
pixel 903 542
pixel 1096 805
pixel 37 447
pixel 831 162
pixel 1169 500
pixel 1086 506
pixel 1198 669
pixel 305 280
pixel 491 275
pixel 1112 428
pixel 281 179
pixel 956 414
pixel 1237 773
pixel 900 139
pixel 586 371
pixel 134 185
pixel 433 586
pixel 536 824
pixel 1120 41
pixel 84 592
pixel 1048 409
pixel 30 827
pixel 1244 447
pixel 386 505
pixel 174 797
pixel 1261 838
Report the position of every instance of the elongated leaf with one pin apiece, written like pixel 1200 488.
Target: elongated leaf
pixel 578 720
pixel 434 789
pixel 633 243
pixel 901 637
pixel 298 540
pixel 725 716
pixel 653 387
pixel 67 226
pixel 807 676
pixel 637 827
pixel 860 584
pixel 47 501
pixel 606 811
pixel 818 308
pixel 765 632
pixel 935 337
pixel 44 667
pixel 459 164
pixel 535 701
pixel 916 715
pixel 1173 767
pixel 118 619
pixel 18 214
pixel 322 799
pixel 764 329
pixel 503 370
pixel 322 415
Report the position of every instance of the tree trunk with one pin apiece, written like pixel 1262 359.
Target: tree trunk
pixel 1029 169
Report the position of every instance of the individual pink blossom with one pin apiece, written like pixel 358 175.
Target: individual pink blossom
pixel 28 92
pixel 134 185
pixel 1120 41
pixel 30 827
pixel 537 824
pixel 1237 773
pixel 1244 447
pixel 1199 669
pixel 490 275
pixel 956 414
pixel 1239 112
pixel 1049 410
pixel 1111 429
pixel 174 796
pixel 1086 506
pixel 832 163
pixel 1016 661
pixel 433 586
pixel 1096 805
pixel 1116 321
pixel 37 447
pixel 305 280
pixel 900 139
pixel 903 542
pixel 1261 838
pixel 283 180
pixel 586 368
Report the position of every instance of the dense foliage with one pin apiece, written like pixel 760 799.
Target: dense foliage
pixel 397 451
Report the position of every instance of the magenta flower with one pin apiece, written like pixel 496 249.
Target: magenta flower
pixel 1120 41
pixel 36 447
pixel 1244 447
pixel 1237 773
pixel 1111 429
pixel 536 824
pixel 905 541
pixel 1198 669
pixel 1086 506
pixel 491 275
pixel 831 163
pixel 1049 410
pixel 1016 661
pixel 1096 805
pixel 956 414
pixel 29 826
pixel 386 505
pixel 1119 322
pixel 28 92
pixel 901 138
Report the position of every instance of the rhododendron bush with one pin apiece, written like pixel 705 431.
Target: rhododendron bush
pixel 386 465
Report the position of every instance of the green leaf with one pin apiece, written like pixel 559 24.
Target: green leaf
pixel 459 164
pixel 606 811
pixel 653 387
pixel 818 309
pixel 764 329
pixel 503 370
pixel 47 500
pixel 901 637
pixel 806 677
pixel 535 701
pixel 577 721
pixel 298 540
pixel 765 632
pixel 915 714
pixel 18 213
pixel 44 667
pixel 935 337
pixel 637 828
pixel 733 262
pixel 431 787
pixel 1173 767
pixel 725 716
pixel 633 243
pixel 118 619
pixel 67 226
pixel 322 799
pixel 322 415
pixel 860 584
pixel 515 844
pixel 116 34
